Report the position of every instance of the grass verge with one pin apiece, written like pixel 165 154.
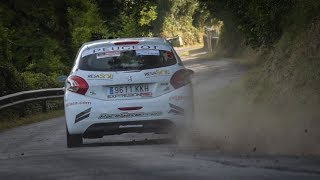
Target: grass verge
pixel 15 122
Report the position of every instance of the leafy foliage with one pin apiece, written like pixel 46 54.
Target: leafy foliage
pixel 178 21
pixel 10 80
pixel 260 24
pixel 39 80
pixel 32 35
pixel 38 40
pixel 128 18
pixel 263 22
pixel 147 15
pixel 84 20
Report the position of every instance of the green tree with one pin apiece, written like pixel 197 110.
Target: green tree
pixel 178 20
pixel 259 21
pixel 84 20
pixel 129 18
pixel 32 35
pixel 10 79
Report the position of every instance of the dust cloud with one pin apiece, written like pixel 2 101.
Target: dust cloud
pixel 226 122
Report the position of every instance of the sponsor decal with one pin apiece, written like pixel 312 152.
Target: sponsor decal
pixel 157 73
pixel 108 54
pixel 78 103
pixel 147 52
pixel 143 94
pixel 136 47
pixel 83 115
pixel 100 76
pixel 130 115
pixel 178 98
pixel 176 110
pixel 124 48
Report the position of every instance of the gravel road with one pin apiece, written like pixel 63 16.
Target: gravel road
pixel 38 151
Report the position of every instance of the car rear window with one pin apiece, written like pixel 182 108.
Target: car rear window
pixel 123 60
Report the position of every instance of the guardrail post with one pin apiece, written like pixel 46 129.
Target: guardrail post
pixel 22 110
pixel 44 106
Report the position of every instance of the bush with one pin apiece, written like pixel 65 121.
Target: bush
pixel 10 80
pixel 230 41
pixel 39 81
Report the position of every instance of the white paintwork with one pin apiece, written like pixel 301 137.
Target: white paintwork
pixel 96 96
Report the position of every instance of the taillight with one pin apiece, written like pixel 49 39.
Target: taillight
pixel 126 43
pixel 181 78
pixel 77 84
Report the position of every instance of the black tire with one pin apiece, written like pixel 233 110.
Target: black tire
pixel 73 140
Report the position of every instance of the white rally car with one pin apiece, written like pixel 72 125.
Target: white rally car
pixel 126 85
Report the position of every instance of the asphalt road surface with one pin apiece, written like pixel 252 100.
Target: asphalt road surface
pixel 38 151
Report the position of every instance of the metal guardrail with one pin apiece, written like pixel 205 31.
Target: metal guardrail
pixel 29 96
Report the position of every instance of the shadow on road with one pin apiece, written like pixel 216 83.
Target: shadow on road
pixel 132 143
pixel 199 50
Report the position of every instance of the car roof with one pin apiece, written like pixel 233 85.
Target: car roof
pixel 142 40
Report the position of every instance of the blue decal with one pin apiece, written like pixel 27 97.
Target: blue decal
pixel 111 90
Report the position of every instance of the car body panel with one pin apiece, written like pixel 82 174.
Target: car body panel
pixel 153 97
pixel 160 106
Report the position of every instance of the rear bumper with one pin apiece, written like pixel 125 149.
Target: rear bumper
pixel 101 129
pixel 93 117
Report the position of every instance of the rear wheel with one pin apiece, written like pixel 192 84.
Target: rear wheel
pixel 73 140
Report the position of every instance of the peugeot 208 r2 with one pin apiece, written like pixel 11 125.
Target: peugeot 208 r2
pixel 126 85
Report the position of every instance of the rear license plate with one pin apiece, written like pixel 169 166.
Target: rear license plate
pixel 122 91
